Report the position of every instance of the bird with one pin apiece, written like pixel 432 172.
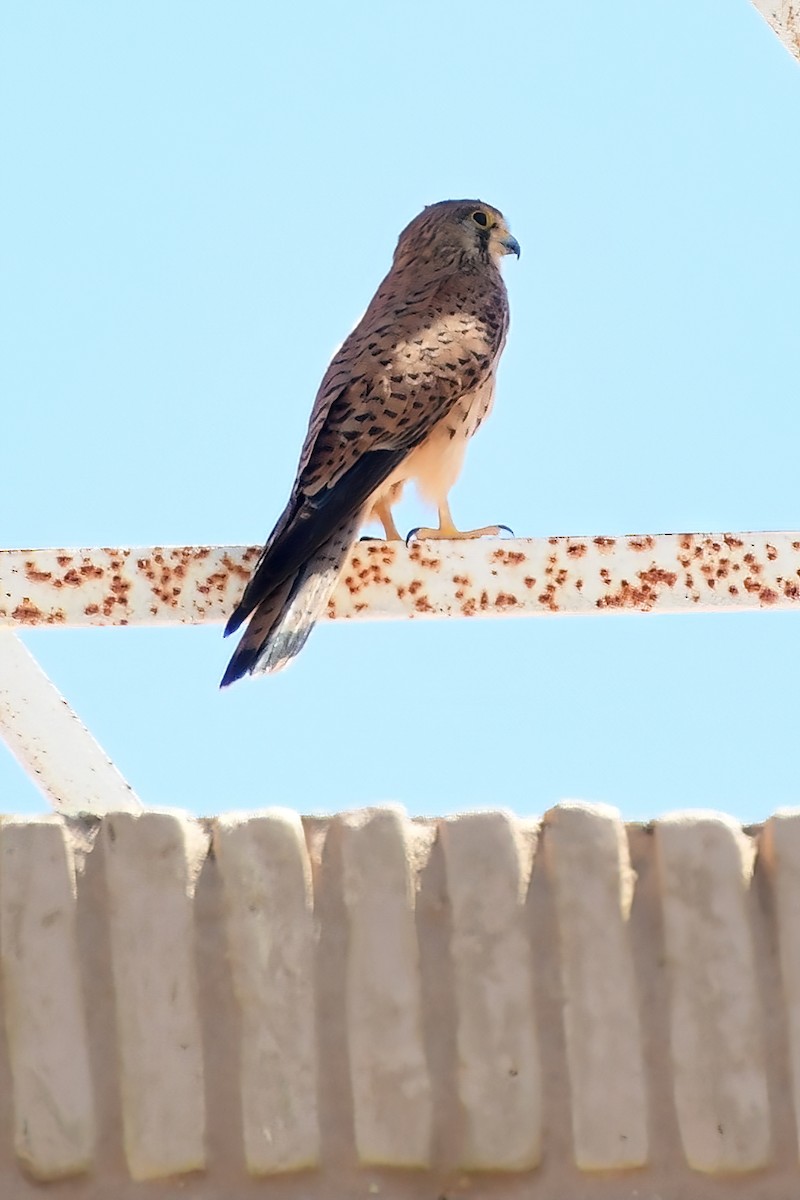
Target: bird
pixel 399 402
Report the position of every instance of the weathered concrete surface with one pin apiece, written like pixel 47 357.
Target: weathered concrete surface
pixel 366 1005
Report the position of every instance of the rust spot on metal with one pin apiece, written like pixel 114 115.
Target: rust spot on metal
pixel 553 541
pixel 734 543
pixel 484 601
pixel 508 558
pixel 120 588
pixel 576 550
pixel 605 544
pixel 644 595
pixel 686 541
pixel 27 612
pixel 414 587
pixel 768 596
pixel 401 591
pixel 351 585
pixel 360 607
pixel 34 576
pixel 529 582
pixel 234 568
pixel 772 553
pixel 641 543
pixel 561 577
pixel 423 604
pixel 91 610
pixel 689 581
pixel 383 550
pixel 461 580
pixel 64 560
pixel 548 598
pixel 734 591
pixel 469 608
pixel 656 575
pixel 579 585
pixel 505 600
pixel 791 590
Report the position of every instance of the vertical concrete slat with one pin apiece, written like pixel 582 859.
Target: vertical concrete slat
pixel 781 846
pixel 498 1057
pixel 266 874
pixel 705 862
pixel 587 856
pixel 152 861
pixel 54 1119
pixel 388 1068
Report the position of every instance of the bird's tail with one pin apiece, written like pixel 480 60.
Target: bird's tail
pixel 281 623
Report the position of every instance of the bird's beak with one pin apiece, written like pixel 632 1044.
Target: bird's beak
pixel 511 245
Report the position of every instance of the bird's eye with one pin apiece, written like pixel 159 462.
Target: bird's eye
pixel 480 218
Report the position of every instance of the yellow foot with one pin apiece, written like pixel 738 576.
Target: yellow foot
pixel 383 513
pixel 450 533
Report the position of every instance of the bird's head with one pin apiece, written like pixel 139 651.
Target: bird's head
pixel 468 230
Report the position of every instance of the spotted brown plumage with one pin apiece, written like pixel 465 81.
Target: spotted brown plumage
pixel 399 402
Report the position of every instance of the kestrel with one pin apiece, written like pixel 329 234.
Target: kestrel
pixel 399 402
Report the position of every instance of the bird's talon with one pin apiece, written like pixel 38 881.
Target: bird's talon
pixel 412 533
pixel 508 529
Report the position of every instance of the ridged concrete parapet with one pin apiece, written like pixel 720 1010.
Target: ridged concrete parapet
pixel 368 1005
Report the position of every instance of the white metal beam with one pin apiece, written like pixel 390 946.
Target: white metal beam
pixel 680 572
pixel 50 741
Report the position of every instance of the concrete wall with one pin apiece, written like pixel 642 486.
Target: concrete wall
pixel 370 1006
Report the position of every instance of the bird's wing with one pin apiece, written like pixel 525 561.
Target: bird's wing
pixel 403 367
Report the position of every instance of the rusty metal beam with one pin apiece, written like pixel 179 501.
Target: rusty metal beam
pixel 537 577
pixel 784 18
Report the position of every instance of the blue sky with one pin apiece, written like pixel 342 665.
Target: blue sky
pixel 199 200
